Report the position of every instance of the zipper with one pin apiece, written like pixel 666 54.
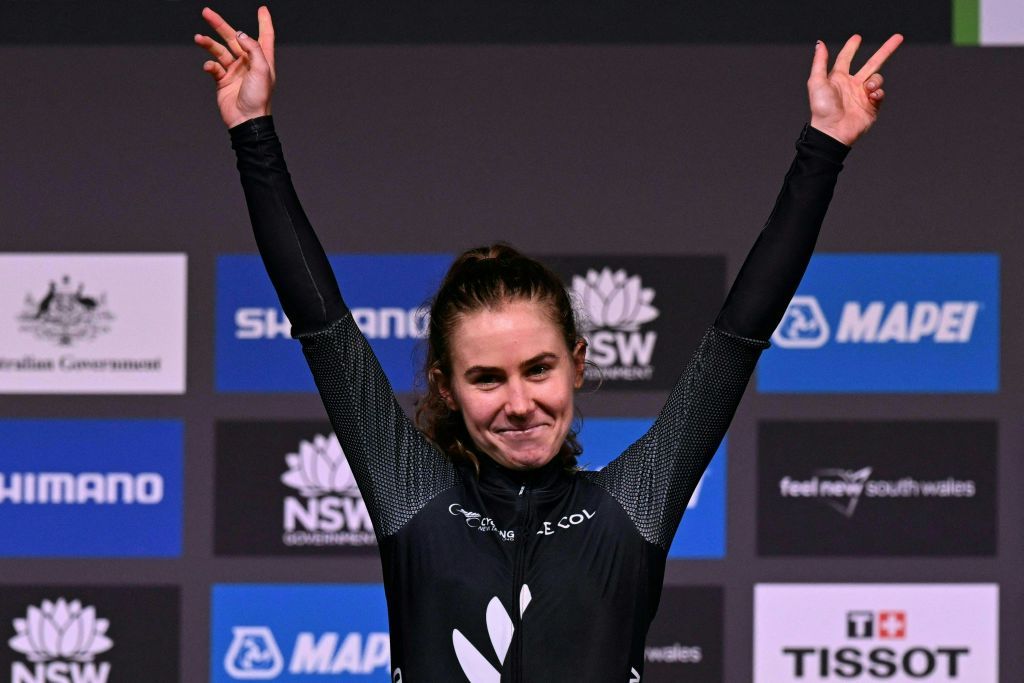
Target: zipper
pixel 518 571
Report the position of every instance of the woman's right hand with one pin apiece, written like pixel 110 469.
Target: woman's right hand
pixel 242 68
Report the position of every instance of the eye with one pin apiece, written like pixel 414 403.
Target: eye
pixel 539 370
pixel 485 379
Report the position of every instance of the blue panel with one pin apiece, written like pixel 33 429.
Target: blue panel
pixel 91 488
pixel 386 292
pixel 702 531
pixel 889 323
pixel 299 633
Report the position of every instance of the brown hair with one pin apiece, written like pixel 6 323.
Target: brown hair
pixel 482 278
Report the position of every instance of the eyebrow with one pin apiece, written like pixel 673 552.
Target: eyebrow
pixel 543 356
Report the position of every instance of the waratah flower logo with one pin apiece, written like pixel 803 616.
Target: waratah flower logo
pixel 61 630
pixel 613 300
pixel 320 467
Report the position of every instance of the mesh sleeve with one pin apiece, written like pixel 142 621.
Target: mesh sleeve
pixel 398 470
pixel 655 477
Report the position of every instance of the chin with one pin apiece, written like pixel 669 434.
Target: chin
pixel 526 461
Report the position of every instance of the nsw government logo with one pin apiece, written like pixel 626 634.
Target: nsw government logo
pixel 615 306
pixel 62 640
pixel 330 510
pixel 634 342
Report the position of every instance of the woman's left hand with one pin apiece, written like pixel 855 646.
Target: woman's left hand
pixel 844 105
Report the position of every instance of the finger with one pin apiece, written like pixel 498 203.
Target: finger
pixel 266 37
pixel 874 82
pixel 877 96
pixel 214 69
pixel 216 50
pixel 255 52
pixel 845 56
pixel 819 66
pixel 222 29
pixel 883 53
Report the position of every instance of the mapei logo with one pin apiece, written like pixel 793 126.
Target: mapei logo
pixel 948 322
pixel 65 313
pixel 61 640
pixel 254 654
pixel 330 511
pixel 614 307
pixel 889 322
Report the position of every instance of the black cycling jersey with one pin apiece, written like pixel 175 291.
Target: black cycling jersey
pixel 544 575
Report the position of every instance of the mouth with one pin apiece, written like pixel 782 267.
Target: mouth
pixel 520 432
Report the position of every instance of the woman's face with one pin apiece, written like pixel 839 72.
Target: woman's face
pixel 513 380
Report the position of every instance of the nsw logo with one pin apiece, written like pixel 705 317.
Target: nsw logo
pixel 329 510
pixel 614 307
pixel 61 641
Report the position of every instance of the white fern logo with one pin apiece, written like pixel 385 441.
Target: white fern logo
pixel 319 468
pixel 500 629
pixel 614 300
pixel 61 630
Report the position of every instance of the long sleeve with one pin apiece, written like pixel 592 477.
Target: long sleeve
pixel 291 252
pixel 397 469
pixel 775 265
pixel 655 477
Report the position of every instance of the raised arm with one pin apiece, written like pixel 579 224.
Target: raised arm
pixel 655 477
pixel 397 469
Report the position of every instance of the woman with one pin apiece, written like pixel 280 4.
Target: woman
pixel 501 561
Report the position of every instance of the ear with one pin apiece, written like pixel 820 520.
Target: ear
pixel 444 388
pixel 579 361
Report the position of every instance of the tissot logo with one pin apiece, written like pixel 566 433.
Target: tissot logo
pixel 635 342
pixel 91 324
pixel 300 633
pixel 840 485
pixel 287 488
pixel 887 322
pixel 846 634
pixel 386 294
pixel 69 634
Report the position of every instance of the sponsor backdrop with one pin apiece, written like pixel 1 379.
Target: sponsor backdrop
pixel 155 446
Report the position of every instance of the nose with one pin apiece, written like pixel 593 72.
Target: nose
pixel 518 402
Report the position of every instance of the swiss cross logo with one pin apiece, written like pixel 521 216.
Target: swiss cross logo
pixel 892 625
pixel 885 625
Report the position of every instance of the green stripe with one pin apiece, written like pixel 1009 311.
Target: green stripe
pixel 966 22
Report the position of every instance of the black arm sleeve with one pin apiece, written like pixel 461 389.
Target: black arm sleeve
pixel 295 261
pixel 655 477
pixel 397 469
pixel 776 263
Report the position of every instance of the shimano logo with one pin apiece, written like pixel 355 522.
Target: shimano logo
pixel 45 488
pixel 804 325
pixel 374 323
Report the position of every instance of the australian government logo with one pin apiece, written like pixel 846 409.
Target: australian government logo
pixel 92 323
pixel 61 640
pixel 328 509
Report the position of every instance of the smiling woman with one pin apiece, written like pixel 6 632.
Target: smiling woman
pixel 502 561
